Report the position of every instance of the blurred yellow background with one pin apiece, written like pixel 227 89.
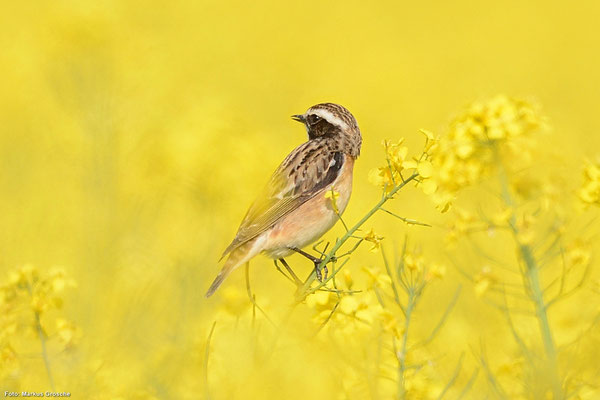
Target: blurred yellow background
pixel 134 135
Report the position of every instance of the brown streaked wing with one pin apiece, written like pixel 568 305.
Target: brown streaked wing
pixel 310 168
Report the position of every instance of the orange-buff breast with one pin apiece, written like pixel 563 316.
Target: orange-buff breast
pixel 311 220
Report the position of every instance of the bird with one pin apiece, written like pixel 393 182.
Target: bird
pixel 293 210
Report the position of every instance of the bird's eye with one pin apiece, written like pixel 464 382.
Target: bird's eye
pixel 313 119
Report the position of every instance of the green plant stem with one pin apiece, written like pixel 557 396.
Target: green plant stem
pixel 410 306
pixel 535 291
pixel 42 336
pixel 542 316
pixel 304 290
pixel 206 356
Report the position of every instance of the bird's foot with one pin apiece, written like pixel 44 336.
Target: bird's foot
pixel 318 272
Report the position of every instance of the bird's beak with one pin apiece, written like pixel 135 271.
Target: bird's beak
pixel 298 117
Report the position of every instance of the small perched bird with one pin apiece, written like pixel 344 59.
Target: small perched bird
pixel 293 210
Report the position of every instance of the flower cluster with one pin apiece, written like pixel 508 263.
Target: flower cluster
pixel 400 165
pixel 390 175
pixel 464 223
pixel 44 291
pixel 412 271
pixel 24 299
pixel 347 312
pixel 484 131
pixel 374 239
pixel 490 140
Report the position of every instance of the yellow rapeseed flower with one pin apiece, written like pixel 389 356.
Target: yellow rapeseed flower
pixel 384 177
pixel 484 280
pixel 319 299
pixel 414 263
pixel 468 151
pixel 396 153
pixel 578 254
pixel 348 304
pixel 377 278
pixel 333 195
pixel 525 226
pixel 425 169
pixel 68 333
pixel 501 218
pixel 436 271
pixel 374 239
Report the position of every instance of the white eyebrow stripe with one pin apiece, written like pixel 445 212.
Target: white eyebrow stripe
pixel 329 117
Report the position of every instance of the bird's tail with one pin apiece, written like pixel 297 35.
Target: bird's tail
pixel 236 258
pixel 225 271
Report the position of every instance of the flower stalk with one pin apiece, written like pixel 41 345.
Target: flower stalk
pixel 535 292
pixel 305 289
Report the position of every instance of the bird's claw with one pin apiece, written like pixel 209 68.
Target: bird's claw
pixel 320 276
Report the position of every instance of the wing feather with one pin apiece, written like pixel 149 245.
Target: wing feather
pixel 307 170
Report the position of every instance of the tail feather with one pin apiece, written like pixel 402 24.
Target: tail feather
pixel 236 258
pixel 219 280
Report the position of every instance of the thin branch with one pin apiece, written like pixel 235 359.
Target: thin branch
pixel 338 291
pixel 579 337
pixel 406 220
pixel 335 307
pixel 488 257
pixel 444 317
pixel 453 379
pixel 564 295
pixel 393 280
pixel 295 278
pixel 400 268
pixel 499 391
pixel 42 336
pixel 206 356
pixel 341 219
pixel 401 355
pixel 469 384
pixel 515 334
pixel 282 273
pixel 351 250
pixel 252 297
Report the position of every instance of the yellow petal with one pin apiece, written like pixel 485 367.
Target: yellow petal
pixel 425 169
pixel 429 187
pixel 464 150
pixel 409 164
pixel 348 304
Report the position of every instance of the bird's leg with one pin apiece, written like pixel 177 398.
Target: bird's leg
pixel 322 252
pixel 285 264
pixel 283 273
pixel 305 254
pixel 316 261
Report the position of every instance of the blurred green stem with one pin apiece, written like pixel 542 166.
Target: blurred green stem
pixel 410 306
pixel 42 336
pixel 531 273
pixel 206 356
pixel 305 289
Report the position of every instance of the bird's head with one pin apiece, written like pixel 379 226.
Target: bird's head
pixel 334 121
